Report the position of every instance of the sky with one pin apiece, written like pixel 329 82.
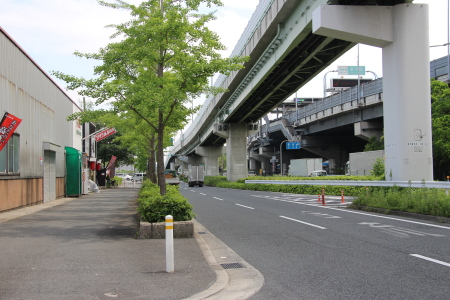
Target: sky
pixel 51 30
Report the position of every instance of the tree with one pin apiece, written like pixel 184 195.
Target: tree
pixel 164 59
pixel 440 107
pixel 374 144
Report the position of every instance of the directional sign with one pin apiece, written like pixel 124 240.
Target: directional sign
pixel 351 70
pixel 292 145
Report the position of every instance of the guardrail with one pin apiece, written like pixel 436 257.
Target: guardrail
pixel 414 184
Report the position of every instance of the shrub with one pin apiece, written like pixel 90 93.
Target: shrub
pixel 378 169
pixel 153 207
pixel 416 200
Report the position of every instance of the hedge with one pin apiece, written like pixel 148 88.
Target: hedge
pixel 153 207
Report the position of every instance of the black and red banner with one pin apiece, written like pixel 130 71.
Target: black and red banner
pixel 8 125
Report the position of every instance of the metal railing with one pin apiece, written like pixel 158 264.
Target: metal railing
pixel 413 184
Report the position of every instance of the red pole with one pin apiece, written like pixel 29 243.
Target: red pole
pixel 342 196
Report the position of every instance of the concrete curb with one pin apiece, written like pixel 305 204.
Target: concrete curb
pixel 181 229
pixel 240 283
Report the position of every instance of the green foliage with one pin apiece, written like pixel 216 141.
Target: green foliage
pixel 118 180
pixel 416 200
pixel 162 59
pixel 153 207
pixel 378 169
pixel 440 108
pixel 374 144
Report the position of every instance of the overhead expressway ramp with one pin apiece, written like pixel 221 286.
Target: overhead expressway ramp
pixel 284 56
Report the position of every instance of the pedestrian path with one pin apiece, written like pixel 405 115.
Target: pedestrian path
pixel 85 248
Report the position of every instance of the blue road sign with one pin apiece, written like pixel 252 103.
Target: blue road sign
pixel 292 145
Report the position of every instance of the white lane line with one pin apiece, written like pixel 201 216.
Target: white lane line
pixel 383 217
pixel 193 191
pixel 244 206
pixel 295 220
pixel 218 198
pixel 431 259
pixel 202 194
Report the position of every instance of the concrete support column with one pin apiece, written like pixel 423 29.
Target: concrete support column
pixel 402 31
pixel 237 151
pixel 184 168
pixel 210 156
pixel 195 160
pixel 406 88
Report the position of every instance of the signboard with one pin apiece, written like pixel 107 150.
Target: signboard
pixel 292 145
pixel 351 70
pixel 8 125
pixel 343 83
pixel 105 133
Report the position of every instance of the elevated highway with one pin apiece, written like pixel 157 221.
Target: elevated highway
pixel 284 55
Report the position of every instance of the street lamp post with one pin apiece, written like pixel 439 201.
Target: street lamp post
pixel 325 83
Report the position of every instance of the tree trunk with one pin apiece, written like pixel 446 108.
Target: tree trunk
pixel 160 155
pixel 152 160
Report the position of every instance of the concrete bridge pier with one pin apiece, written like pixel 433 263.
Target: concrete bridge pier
pixel 402 32
pixel 210 156
pixel 236 150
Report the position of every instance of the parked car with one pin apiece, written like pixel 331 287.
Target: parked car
pixel 125 176
pixel 138 177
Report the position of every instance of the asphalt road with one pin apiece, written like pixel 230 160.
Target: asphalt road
pixel 309 251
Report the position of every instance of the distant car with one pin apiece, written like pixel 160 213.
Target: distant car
pixel 251 173
pixel 124 176
pixel 138 177
pixel 318 173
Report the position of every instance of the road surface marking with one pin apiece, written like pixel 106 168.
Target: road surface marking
pixel 218 198
pixel 398 231
pixel 202 194
pixel 326 216
pixel 384 217
pixel 244 206
pixel 295 220
pixel 431 259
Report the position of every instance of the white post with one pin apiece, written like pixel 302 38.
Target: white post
pixel 169 244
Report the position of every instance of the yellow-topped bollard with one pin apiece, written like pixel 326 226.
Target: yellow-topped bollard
pixel 169 244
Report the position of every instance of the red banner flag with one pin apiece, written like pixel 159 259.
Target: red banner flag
pixel 8 125
pixel 111 162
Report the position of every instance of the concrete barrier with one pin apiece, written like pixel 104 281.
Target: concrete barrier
pixel 181 229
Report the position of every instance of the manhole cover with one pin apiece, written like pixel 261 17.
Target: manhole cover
pixel 232 266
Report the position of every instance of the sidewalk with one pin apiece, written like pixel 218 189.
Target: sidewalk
pixel 84 248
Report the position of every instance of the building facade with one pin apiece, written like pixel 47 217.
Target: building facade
pixel 33 164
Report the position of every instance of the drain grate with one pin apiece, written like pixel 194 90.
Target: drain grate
pixel 201 232
pixel 232 266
